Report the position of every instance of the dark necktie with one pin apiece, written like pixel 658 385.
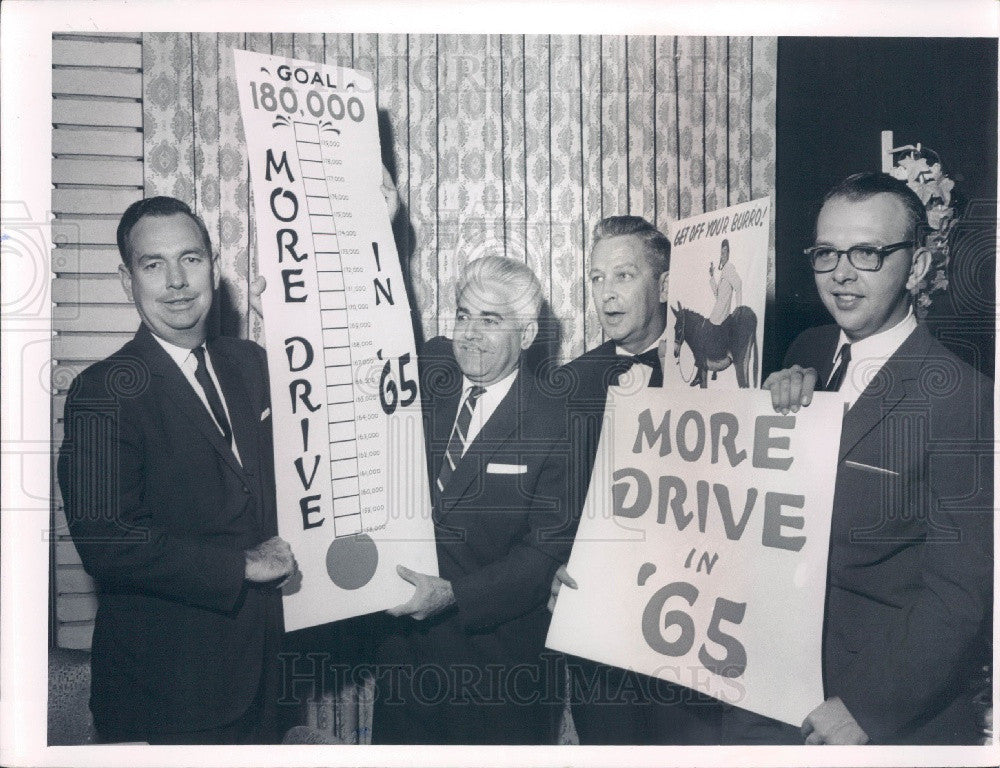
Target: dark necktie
pixel 650 357
pixel 838 375
pixel 459 433
pixel 214 401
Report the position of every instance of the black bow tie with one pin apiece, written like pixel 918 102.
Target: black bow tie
pixel 650 357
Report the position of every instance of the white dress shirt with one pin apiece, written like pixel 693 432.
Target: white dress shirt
pixel 728 284
pixel 869 355
pixel 485 405
pixel 188 364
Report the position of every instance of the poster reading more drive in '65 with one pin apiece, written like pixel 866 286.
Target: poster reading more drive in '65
pixel 701 553
pixel 353 500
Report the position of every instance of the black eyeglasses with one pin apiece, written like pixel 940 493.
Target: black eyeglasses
pixel 867 258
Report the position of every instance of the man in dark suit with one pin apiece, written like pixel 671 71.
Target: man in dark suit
pixel 629 273
pixel 167 478
pixel 629 268
pixel 910 569
pixel 462 663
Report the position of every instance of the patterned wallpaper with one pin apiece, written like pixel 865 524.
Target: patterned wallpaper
pixel 514 144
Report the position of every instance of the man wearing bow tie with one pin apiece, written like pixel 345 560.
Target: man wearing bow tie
pixel 629 266
pixel 167 478
pixel 462 661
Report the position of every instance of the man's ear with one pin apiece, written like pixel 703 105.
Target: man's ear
pixel 664 283
pixel 528 334
pixel 918 270
pixel 126 277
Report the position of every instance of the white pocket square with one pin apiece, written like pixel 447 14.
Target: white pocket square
pixel 265 413
pixel 870 468
pixel 506 469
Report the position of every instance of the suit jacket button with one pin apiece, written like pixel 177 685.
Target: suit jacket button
pixel 245 489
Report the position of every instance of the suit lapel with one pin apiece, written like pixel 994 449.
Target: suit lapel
pixel 896 380
pixel 497 431
pixel 606 367
pixel 824 366
pixel 178 389
pixel 820 356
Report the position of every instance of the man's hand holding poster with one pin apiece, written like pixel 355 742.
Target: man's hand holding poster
pixel 701 554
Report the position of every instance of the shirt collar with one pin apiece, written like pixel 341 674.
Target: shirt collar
pixel 497 388
pixel 178 354
pixel 879 345
pixel 620 350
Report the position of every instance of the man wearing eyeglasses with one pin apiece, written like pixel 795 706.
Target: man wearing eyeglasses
pixel 910 561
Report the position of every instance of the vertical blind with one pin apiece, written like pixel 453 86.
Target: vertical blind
pixel 97 171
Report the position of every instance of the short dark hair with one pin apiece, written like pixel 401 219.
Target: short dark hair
pixel 657 246
pixel 155 206
pixel 725 242
pixel 861 186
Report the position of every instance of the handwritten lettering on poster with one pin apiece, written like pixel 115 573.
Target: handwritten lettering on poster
pixel 701 554
pixel 352 491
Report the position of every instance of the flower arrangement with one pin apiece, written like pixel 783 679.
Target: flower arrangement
pixel 920 168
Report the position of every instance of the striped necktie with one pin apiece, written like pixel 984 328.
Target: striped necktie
pixel 456 443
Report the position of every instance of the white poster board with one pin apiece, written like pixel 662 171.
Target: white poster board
pixel 730 292
pixel 353 498
pixel 701 554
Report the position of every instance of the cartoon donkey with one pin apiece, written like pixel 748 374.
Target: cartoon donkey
pixel 716 347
